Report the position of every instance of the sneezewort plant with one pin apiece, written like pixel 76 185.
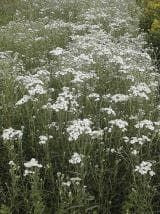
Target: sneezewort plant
pixel 78 81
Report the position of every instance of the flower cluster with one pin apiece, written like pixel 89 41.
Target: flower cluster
pixel 12 134
pixel 145 168
pixel 43 139
pixel 30 165
pixel 148 124
pixel 66 101
pixel 119 98
pixel 141 90
pixel 57 52
pixel 109 111
pixel 121 124
pixel 139 140
pixel 34 84
pixel 79 127
pixel 76 158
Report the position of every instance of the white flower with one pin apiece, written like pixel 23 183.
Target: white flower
pixel 11 163
pixel 95 96
pixel 145 124
pixel 43 139
pixel 32 163
pixel 152 173
pixel 84 59
pixel 67 184
pixel 144 168
pixel 141 90
pixel 66 101
pixel 80 76
pixel 96 134
pixel 79 127
pixel 133 117
pixel 140 140
pixel 134 152
pixel 23 100
pixel 119 98
pixel 29 81
pixel 112 150
pixel 38 89
pixel 57 52
pixel 75 179
pixel 126 139
pixel 109 111
pixel 12 134
pixel 106 96
pixel 4 55
pixel 119 123
pixel 28 172
pixel 33 84
pixel 75 158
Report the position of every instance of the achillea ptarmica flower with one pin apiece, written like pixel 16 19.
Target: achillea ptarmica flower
pixel 12 134
pixel 148 124
pixel 23 100
pixel 43 139
pixel 32 163
pixel 121 124
pixel 144 168
pixel 79 127
pixel 140 90
pixel 57 52
pixel 75 158
pixel 28 172
pixel 119 98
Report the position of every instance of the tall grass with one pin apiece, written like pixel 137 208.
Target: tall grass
pixel 79 109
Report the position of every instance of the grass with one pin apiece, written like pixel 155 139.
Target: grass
pixel 79 109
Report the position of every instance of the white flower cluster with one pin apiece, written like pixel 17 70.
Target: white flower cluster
pixel 97 134
pixel 12 134
pixel 80 77
pixel 139 140
pixel 109 111
pixel 144 168
pixel 23 100
pixel 148 124
pixel 74 180
pixel 54 24
pixel 43 139
pixel 11 163
pixel 76 158
pixel 30 164
pixel 4 55
pixel 66 101
pixel 84 59
pixel 57 52
pixel 34 85
pixel 64 72
pixel 119 98
pixel 141 90
pixel 79 127
pixel 121 124
pixel 94 96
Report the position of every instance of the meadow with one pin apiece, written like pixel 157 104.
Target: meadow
pixel 79 109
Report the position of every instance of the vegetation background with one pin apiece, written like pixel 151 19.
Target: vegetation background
pixel 150 22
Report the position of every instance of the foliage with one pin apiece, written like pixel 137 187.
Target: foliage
pixel 150 22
